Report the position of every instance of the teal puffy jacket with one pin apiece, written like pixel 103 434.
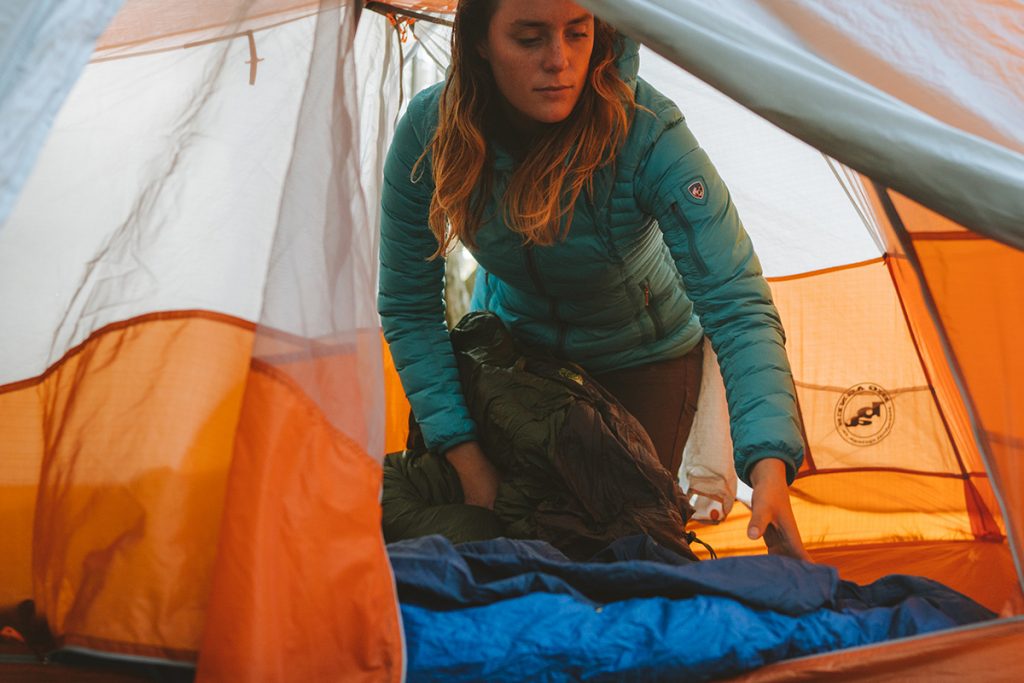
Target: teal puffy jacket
pixel 656 257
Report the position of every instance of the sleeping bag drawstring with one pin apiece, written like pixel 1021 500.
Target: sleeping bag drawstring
pixel 691 537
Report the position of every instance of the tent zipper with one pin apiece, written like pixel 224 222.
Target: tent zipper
pixel 652 313
pixel 531 268
pixel 691 238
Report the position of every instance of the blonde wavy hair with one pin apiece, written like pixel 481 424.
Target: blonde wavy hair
pixel 560 163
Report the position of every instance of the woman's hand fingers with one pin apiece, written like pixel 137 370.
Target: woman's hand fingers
pixel 780 533
pixel 760 519
pixel 772 515
pixel 785 543
pixel 769 481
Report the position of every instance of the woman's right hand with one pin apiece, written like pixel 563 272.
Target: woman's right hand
pixel 477 475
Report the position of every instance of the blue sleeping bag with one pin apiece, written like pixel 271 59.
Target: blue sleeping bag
pixel 513 610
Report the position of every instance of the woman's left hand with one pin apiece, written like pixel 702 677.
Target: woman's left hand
pixel 772 516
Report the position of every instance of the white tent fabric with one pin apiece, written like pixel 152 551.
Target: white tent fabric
pixel 44 44
pixel 156 190
pixel 782 72
pixel 321 284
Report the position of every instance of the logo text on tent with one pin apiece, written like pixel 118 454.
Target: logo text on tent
pixel 864 414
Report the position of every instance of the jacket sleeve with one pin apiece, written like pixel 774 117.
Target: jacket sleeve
pixel 411 296
pixel 677 183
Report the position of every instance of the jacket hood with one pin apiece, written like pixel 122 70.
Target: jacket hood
pixel 628 62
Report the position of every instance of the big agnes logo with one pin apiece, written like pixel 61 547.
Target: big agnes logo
pixel 864 414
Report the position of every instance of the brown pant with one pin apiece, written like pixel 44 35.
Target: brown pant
pixel 663 398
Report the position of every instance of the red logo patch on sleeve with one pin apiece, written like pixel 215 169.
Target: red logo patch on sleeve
pixel 696 190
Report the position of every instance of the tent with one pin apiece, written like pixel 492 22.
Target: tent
pixel 195 398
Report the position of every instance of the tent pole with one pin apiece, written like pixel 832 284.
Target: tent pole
pixel 386 9
pixel 980 440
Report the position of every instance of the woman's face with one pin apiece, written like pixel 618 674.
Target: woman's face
pixel 539 53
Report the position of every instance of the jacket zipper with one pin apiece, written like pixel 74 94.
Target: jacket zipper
pixel 531 267
pixel 691 238
pixel 652 312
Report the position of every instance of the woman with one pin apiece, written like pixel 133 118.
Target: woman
pixel 604 236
